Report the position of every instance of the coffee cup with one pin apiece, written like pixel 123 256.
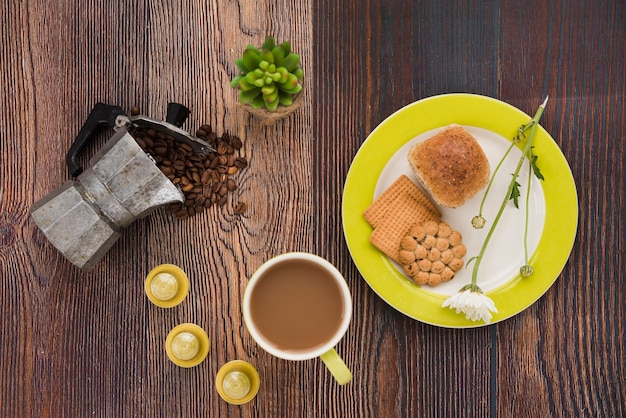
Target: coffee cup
pixel 297 306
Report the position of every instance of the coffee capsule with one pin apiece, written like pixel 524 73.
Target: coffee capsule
pixel 166 285
pixel 187 345
pixel 237 382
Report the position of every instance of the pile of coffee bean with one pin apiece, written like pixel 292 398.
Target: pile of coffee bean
pixel 205 180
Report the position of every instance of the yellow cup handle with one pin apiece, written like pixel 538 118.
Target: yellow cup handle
pixel 336 366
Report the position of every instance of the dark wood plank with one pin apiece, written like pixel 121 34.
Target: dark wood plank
pixel 557 348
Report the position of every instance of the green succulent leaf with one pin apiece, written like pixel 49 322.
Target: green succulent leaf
pixel 291 62
pixel 284 74
pixel 272 97
pixel 286 47
pixel 267 56
pixel 272 104
pixel 241 66
pixel 246 97
pixel 279 55
pixel 251 78
pixel 258 102
pixel 291 83
pixel 252 48
pixel 244 85
pixel 268 89
pixel 285 99
pixel 298 72
pixel 235 81
pixel 294 90
pixel 269 43
pixel 251 59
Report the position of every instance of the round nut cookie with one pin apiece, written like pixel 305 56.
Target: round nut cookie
pixel 431 252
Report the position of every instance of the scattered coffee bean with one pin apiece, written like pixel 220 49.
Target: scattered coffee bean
pixel 204 179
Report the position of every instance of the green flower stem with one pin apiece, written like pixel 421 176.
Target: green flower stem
pixel 493 176
pixel 530 170
pixel 529 141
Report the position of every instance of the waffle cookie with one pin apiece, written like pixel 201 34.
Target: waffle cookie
pixel 402 185
pixel 394 225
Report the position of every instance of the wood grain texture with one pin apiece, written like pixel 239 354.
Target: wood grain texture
pixel 91 344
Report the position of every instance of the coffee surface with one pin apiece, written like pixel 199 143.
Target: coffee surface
pixel 297 305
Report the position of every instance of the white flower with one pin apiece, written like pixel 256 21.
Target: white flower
pixel 473 303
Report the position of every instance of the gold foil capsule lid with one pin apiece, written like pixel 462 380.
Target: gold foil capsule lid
pixel 237 382
pixel 187 345
pixel 166 285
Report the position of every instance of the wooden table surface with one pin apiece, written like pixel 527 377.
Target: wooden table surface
pixel 91 344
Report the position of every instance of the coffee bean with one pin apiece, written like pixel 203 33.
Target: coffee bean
pixel 162 151
pixel 236 142
pixel 231 185
pixel 205 177
pixel 240 162
pixel 149 142
pixel 222 148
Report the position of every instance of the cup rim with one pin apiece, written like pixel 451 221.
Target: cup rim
pixel 346 297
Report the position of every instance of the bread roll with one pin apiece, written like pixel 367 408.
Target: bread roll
pixel 451 166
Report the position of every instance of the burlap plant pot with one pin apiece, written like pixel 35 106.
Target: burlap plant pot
pixel 270 117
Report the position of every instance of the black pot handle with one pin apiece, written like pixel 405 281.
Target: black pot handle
pixel 101 114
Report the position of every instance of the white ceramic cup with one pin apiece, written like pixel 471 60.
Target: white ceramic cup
pixel 325 349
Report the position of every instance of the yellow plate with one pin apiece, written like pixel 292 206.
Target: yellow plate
pixel 554 209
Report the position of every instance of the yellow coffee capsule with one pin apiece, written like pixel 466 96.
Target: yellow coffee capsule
pixel 187 345
pixel 166 285
pixel 237 382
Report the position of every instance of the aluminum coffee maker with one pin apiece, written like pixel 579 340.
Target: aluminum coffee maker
pixel 84 217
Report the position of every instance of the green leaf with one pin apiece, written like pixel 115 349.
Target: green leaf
pixel 291 61
pixel 249 96
pixel 515 194
pixel 258 102
pixel 251 59
pixel 279 55
pixel 241 66
pixel 533 164
pixel 235 81
pixel 269 43
pixel 286 47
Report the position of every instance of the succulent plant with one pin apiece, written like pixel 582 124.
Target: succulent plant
pixel 269 76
